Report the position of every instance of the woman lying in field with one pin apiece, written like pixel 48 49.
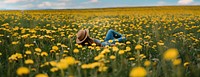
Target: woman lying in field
pixel 84 39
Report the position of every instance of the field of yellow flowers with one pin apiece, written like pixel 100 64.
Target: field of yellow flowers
pixel 161 42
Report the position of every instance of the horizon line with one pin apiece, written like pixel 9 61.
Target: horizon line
pixel 88 8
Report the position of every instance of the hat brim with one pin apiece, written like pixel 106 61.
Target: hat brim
pixel 87 35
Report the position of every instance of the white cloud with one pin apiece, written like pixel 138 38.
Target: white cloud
pixel 60 4
pixel 196 3
pixel 45 4
pixel 17 1
pixel 184 2
pixel 91 1
pixel 32 0
pixel 31 4
pixel 161 3
pixel 63 0
pixel 23 7
pixel 13 1
pixel 2 5
pixel 27 6
pixel 94 1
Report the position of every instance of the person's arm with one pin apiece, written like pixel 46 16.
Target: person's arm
pixel 98 42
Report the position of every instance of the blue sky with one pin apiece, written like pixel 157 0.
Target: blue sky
pixel 73 4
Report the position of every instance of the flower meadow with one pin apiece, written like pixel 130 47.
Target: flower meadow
pixel 160 42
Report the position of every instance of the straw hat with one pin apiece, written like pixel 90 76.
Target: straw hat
pixel 82 35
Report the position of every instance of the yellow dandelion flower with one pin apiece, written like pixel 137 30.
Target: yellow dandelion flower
pixel 131 58
pixel 27 45
pixel 138 72
pixel 29 61
pixel 76 51
pixel 38 50
pixel 70 60
pixel 22 71
pixel 117 43
pixel 170 54
pixel 106 50
pixel 147 63
pixel 94 44
pixel 58 44
pixel 15 42
pixel 77 62
pixel 128 49
pixel 18 55
pixel 138 47
pixel 128 42
pixel 63 45
pixel 66 51
pixel 54 69
pixel 116 40
pixel 44 54
pixel 52 63
pixel 142 56
pixel 115 49
pixel 112 57
pixel 102 69
pixel 33 69
pixel 147 37
pixel 55 48
pixel 98 48
pixel 86 43
pixel 41 75
pixel 121 52
pixel 154 46
pixel 93 65
pixel 52 51
pixel 84 66
pixel 186 64
pixel 97 58
pixel 110 41
pixel 28 52
pixel 161 43
pixel 176 61
pixel 79 46
pixel 62 65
